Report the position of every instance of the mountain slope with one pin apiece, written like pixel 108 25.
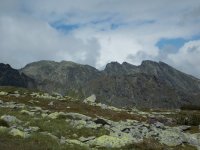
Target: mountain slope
pixel 12 77
pixel 64 77
pixel 150 85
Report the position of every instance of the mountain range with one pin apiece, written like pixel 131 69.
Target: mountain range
pixel 149 85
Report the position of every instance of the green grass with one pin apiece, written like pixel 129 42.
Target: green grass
pixel 12 89
pixel 59 127
pixel 188 118
pixel 35 142
pixel 16 113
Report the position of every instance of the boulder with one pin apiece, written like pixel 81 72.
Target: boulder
pixel 44 115
pixel 90 99
pixel 183 128
pixel 193 139
pixel 56 115
pixel 62 140
pixel 31 129
pixel 76 142
pixel 159 125
pixel 2 93
pixel 77 116
pixel 51 103
pixel 84 139
pixel 1 102
pixel 16 132
pixel 78 123
pixel 171 137
pixel 11 120
pixel 101 121
pixel 111 141
pixel 27 112
pixel 3 129
pixel 92 125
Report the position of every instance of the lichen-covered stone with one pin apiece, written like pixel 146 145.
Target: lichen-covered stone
pixel 193 139
pixel 110 141
pixel 56 115
pixel 90 99
pixel 10 119
pixel 76 142
pixel 16 132
pixel 3 129
pixel 27 112
pixel 78 116
pixel 171 137
pixel 3 93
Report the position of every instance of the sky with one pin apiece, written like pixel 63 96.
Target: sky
pixel 96 32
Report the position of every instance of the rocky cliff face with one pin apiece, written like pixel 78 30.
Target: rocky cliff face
pixel 150 85
pixel 12 77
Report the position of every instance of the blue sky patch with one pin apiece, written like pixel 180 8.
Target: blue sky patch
pixel 178 43
pixel 64 27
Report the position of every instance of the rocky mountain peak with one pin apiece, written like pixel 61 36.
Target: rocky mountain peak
pixel 151 84
pixel 113 68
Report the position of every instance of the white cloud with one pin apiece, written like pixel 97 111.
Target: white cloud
pixel 24 40
pixel 26 34
pixel 187 58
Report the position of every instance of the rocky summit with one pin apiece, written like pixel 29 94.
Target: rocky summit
pixel 149 85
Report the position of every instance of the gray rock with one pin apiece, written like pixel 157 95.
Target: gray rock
pixel 111 141
pixel 27 112
pixel 90 99
pixel 62 140
pixel 3 129
pixel 16 132
pixel 3 93
pixel 183 128
pixel 51 103
pixel 31 129
pixel 11 120
pixel 56 115
pixel 84 139
pixel 78 116
pixel 159 125
pixel 76 142
pixel 171 137
pixel 193 139
pixel 1 102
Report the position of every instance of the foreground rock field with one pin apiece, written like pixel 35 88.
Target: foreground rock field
pixel 36 120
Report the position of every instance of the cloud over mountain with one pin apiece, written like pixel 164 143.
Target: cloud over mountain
pixel 98 31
